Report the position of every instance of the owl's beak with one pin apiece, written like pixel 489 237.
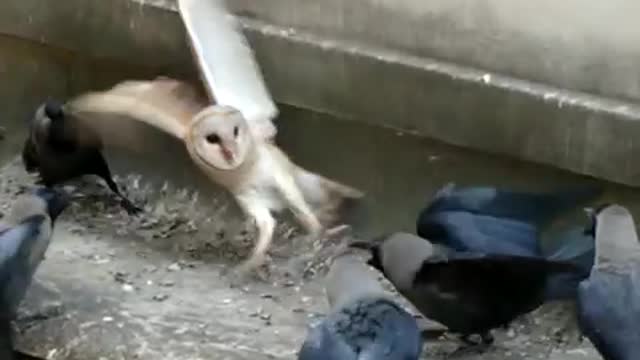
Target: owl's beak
pixel 227 154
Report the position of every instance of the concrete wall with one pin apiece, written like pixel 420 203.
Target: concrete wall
pixel 365 61
pixel 587 45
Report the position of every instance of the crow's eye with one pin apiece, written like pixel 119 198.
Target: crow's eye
pixel 213 139
pixel 235 131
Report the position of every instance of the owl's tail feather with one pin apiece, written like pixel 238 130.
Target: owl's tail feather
pixel 329 199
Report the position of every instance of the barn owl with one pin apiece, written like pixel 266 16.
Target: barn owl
pixel 229 134
pixel 220 142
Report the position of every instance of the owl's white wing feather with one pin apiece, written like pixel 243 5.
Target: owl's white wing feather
pixel 227 64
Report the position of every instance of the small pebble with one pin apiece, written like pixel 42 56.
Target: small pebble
pixel 160 297
pixel 120 277
pixel 127 288
pixel 577 352
pixel 100 261
pixel 151 269
pixel 174 267
pixel 167 283
pixel 190 265
pixel 107 319
pixel 181 331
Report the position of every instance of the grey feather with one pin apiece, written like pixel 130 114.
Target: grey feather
pixel 25 234
pixel 17 264
pixel 609 300
pixel 364 322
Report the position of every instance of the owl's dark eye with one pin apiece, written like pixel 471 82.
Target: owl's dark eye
pixel 213 139
pixel 235 131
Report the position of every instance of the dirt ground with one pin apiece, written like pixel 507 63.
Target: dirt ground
pixel 159 286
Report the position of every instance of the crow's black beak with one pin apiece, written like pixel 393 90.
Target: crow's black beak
pixel 372 247
pixel 361 244
pixel 598 209
pixel 56 200
pixel 370 244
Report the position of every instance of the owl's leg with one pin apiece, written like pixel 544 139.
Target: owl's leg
pixel 266 225
pixel 298 205
pixel 338 230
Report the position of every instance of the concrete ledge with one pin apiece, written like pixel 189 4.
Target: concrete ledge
pixel 118 30
pixel 584 45
pixel 487 112
pixel 458 105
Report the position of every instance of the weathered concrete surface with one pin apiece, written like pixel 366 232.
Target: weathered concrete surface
pixel 28 76
pixel 117 30
pixel 458 105
pixel 586 45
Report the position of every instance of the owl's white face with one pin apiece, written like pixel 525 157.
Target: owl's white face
pixel 220 137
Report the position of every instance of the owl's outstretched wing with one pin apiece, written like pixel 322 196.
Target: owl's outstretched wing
pixel 227 64
pixel 116 115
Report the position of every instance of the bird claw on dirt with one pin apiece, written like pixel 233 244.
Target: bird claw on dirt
pixel 130 208
pixel 248 271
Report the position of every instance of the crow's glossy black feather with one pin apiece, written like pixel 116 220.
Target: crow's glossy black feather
pixel 53 150
pixel 475 293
